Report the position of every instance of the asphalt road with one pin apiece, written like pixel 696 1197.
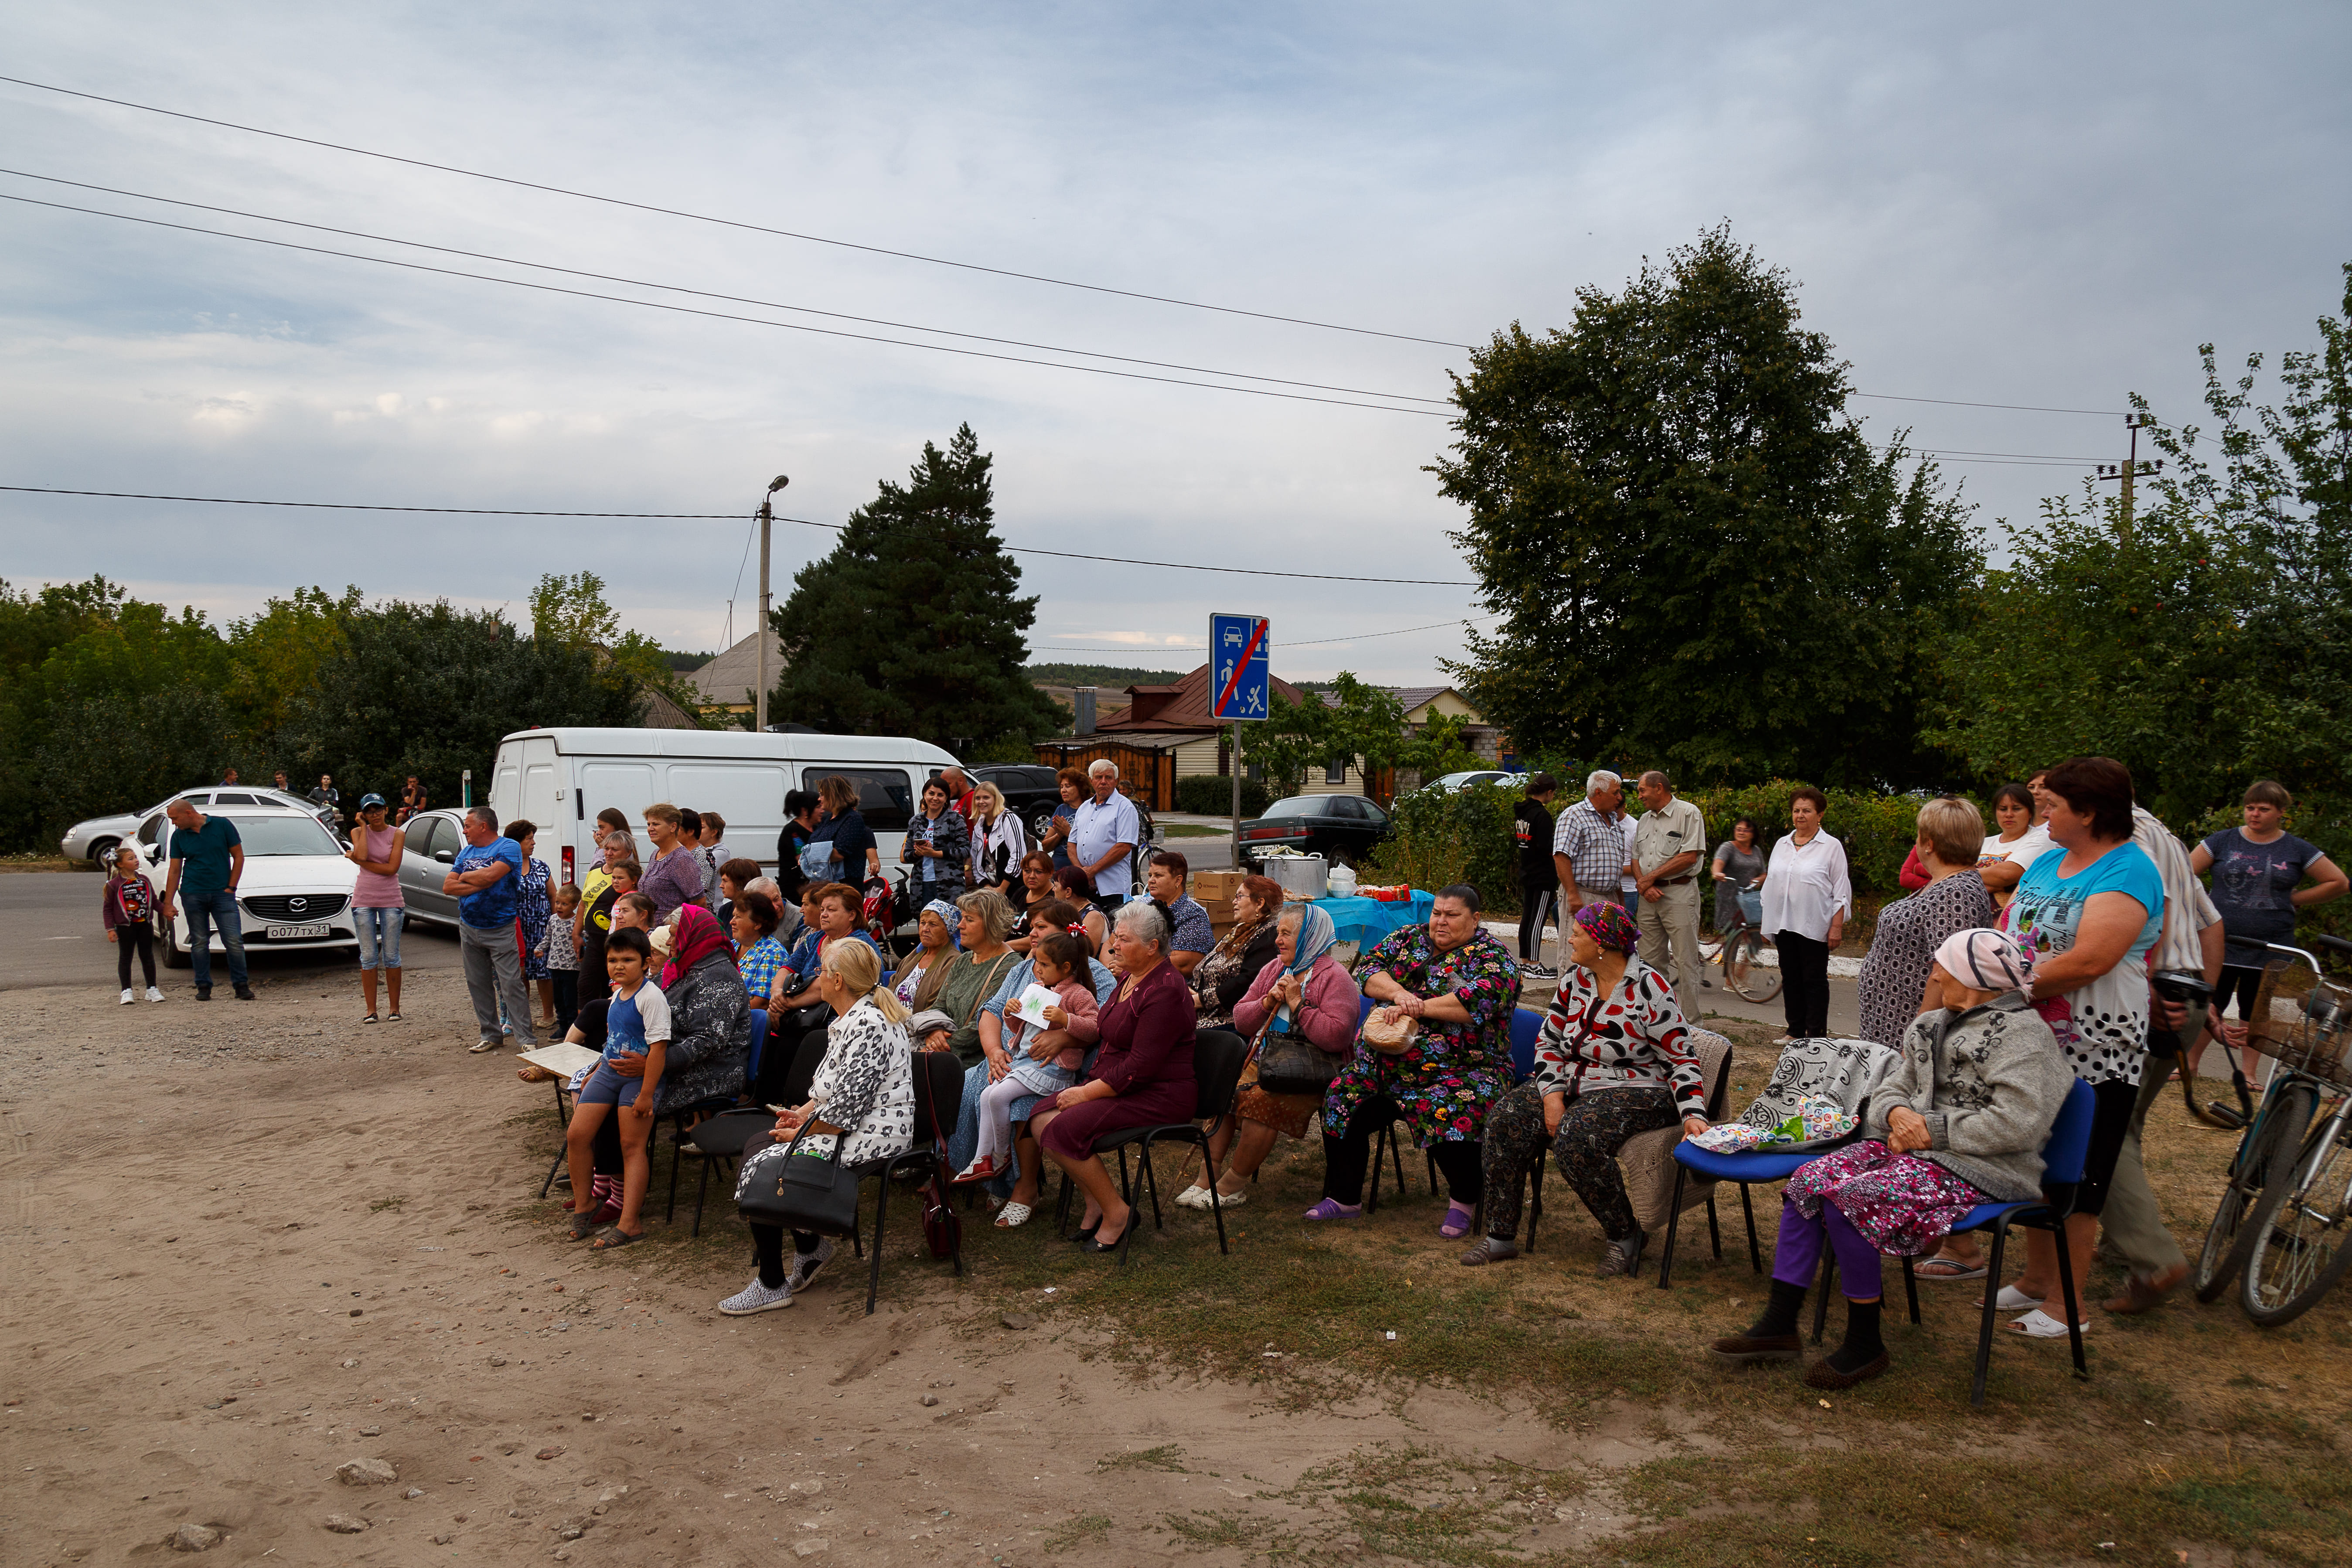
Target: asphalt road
pixel 50 935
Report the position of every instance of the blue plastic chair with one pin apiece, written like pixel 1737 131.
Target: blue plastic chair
pixel 1743 1171
pixel 758 1044
pixel 2063 1156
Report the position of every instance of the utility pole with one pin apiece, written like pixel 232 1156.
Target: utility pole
pixel 767 521
pixel 2127 470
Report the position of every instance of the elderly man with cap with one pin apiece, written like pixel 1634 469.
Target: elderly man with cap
pixel 1669 842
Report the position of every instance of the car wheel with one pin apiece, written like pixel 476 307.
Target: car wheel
pixel 174 955
pixel 1039 826
pixel 102 850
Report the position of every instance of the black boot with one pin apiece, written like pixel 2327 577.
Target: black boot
pixel 1773 1336
pixel 1863 1356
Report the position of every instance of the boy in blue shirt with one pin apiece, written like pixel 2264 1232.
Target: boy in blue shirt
pixel 637 1037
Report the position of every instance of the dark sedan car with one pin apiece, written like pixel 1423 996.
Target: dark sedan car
pixel 1030 791
pixel 1343 828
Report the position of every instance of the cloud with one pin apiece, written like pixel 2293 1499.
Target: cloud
pixel 2009 204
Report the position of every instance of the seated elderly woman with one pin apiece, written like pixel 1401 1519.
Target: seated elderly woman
pixel 969 978
pixel 1960 1121
pixel 921 974
pixel 1304 992
pixel 1020 1191
pixel 1458 985
pixel 1614 1062
pixel 1229 968
pixel 862 1097
pixel 1141 1077
pixel 759 955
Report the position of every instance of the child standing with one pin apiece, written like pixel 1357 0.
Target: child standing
pixel 637 1037
pixel 128 908
pixel 562 955
pixel 1045 1061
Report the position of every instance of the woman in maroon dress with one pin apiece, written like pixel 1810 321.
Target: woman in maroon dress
pixel 1142 1076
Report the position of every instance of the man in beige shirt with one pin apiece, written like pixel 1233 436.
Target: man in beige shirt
pixel 1669 842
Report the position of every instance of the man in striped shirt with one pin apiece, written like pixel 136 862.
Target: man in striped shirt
pixel 1587 847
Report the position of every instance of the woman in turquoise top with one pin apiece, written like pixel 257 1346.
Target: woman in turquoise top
pixel 2086 918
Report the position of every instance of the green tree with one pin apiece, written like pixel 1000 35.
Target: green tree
pixel 570 611
pixel 914 624
pixel 1695 555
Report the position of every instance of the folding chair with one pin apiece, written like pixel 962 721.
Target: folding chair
pixel 938 1098
pixel 1218 1058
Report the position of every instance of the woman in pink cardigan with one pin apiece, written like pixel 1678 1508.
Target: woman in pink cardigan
pixel 1309 993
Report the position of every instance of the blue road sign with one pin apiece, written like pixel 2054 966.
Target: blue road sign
pixel 1239 681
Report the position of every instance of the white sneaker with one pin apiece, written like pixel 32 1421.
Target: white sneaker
pixel 805 1264
pixel 757 1298
pixel 153 994
pixel 127 997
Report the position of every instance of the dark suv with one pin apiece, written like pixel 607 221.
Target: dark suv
pixel 1031 792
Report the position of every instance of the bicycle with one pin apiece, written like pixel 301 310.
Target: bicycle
pixel 2283 1220
pixel 1743 948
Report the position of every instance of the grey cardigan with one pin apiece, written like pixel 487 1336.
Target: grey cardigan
pixel 1989 1082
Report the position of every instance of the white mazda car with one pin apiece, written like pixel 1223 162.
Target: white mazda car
pixel 295 894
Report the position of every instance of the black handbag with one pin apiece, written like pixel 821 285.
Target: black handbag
pixel 813 1193
pixel 1289 1063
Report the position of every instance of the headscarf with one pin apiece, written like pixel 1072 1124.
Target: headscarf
pixel 697 937
pixel 1606 922
pixel 1985 960
pixel 1315 938
pixel 950 917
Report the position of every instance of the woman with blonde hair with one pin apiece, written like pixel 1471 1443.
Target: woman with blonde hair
pixel 861 1102
pixel 998 842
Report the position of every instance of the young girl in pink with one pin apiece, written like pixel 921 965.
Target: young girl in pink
pixel 1043 1062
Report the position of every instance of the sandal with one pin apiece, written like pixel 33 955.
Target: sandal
pixel 981 1169
pixel 2012 1300
pixel 1332 1208
pixel 1014 1214
pixel 615 1237
pixel 1457 1222
pixel 1946 1268
pixel 2039 1325
pixel 369 1019
pixel 584 1225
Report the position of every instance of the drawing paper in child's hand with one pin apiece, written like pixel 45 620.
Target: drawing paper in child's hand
pixel 1029 1007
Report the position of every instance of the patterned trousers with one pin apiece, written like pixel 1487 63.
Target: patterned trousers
pixel 1592 1130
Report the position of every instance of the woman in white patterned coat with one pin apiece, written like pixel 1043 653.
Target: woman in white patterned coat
pixel 862 1098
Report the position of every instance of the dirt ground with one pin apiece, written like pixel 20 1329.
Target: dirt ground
pixel 251 1243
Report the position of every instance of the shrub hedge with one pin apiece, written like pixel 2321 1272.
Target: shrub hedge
pixel 1212 794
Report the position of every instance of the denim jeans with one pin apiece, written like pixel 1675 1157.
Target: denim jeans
pixel 379 937
pixel 204 909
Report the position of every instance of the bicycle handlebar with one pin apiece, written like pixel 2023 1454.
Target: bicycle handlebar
pixel 2335 943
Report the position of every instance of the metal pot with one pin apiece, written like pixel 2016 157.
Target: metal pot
pixel 1298 876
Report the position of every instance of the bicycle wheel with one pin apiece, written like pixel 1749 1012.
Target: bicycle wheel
pixel 2277 1134
pixel 2299 1230
pixel 1756 981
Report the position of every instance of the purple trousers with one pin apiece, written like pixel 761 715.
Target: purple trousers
pixel 1797 1255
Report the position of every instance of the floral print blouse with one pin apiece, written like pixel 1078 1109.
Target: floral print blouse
pixel 1632 1037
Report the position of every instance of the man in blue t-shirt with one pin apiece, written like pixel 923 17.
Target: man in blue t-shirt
pixel 484 879
pixel 208 860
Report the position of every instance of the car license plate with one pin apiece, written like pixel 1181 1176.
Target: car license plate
pixel 297 933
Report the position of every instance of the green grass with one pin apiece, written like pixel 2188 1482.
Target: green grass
pixel 1089 1529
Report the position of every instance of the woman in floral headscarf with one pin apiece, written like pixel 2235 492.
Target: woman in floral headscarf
pixel 1614 1062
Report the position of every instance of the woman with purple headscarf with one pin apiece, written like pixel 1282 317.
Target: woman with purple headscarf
pixel 1614 1060
pixel 1960 1121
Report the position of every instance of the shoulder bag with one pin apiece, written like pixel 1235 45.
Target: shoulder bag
pixel 807 1194
pixel 942 1227
pixel 1290 1063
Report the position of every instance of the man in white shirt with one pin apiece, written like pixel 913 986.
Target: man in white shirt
pixel 1103 836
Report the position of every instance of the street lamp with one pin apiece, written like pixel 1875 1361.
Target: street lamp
pixel 767 518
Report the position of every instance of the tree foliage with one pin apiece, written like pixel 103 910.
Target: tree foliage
pixel 914 622
pixel 1363 726
pixel 1695 555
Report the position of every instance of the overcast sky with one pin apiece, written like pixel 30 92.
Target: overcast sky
pixel 2001 203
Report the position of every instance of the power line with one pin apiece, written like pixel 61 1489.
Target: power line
pixel 718 517
pixel 1204 647
pixel 702 293
pixel 729 222
pixel 903 255
pixel 721 315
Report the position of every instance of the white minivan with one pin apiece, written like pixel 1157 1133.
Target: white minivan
pixel 559 779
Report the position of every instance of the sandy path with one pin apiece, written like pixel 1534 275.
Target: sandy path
pixel 209 1314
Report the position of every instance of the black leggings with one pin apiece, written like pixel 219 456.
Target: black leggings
pixel 770 1241
pixel 1804 984
pixel 125 936
pixel 1345 1157
pixel 2240 982
pixel 1533 903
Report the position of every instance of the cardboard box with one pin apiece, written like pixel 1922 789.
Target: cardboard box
pixel 1215 888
